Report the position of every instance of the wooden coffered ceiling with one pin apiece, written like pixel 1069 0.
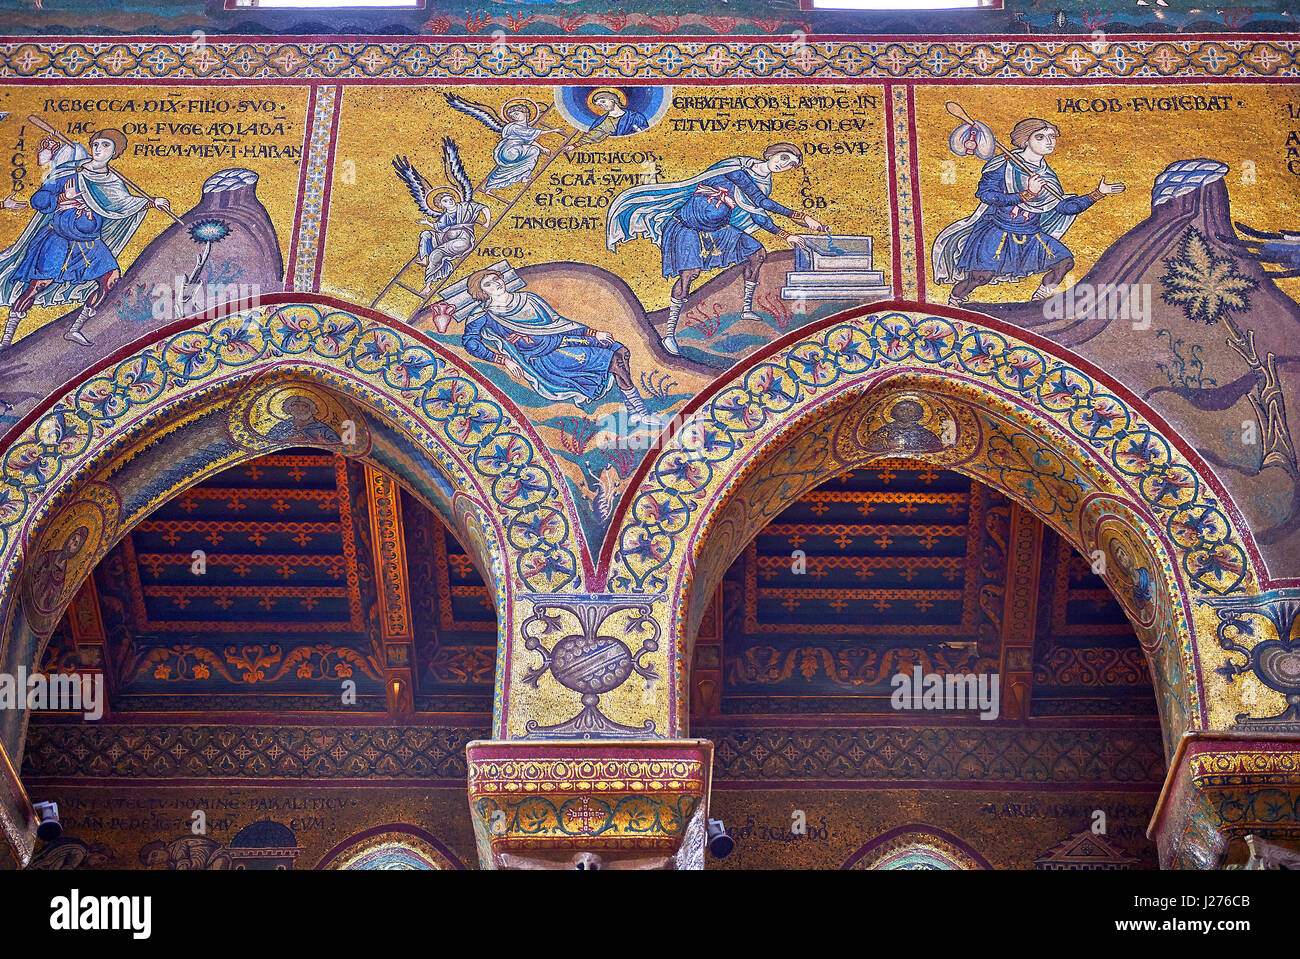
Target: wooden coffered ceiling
pixel 321 571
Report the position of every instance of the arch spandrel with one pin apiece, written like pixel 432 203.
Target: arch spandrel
pixel 125 438
pixel 1075 450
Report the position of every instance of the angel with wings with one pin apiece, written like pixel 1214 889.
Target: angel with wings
pixel 451 215
pixel 517 153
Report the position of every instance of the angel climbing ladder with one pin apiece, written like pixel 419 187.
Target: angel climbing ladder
pixel 451 215
pixel 452 235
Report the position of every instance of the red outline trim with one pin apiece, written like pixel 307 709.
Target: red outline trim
pixel 832 400
pixel 941 834
pixel 314 299
pixel 397 827
pixel 918 241
pixel 724 381
pixel 891 172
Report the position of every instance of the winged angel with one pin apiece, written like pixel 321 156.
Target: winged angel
pixel 450 213
pixel 517 153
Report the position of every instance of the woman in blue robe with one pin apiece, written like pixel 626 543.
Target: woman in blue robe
pixel 560 358
pixel 1016 230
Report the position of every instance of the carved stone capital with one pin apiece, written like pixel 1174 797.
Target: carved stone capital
pixel 1223 787
pixel 589 803
pixel 17 818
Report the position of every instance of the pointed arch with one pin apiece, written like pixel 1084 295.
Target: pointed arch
pixel 391 846
pixel 1076 449
pixel 916 846
pixel 201 396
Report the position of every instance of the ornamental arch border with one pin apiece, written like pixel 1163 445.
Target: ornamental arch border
pixel 860 356
pixel 728 529
pixel 501 476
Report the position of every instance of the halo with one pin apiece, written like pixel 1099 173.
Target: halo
pixel 455 194
pixel 86 515
pixel 533 108
pixel 619 94
pixel 278 397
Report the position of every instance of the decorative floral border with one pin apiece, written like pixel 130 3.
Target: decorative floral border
pixel 765 397
pixel 315 193
pixel 482 435
pixel 731 59
pixel 684 484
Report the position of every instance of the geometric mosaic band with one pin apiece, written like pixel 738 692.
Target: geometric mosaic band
pixel 735 59
pixel 771 755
